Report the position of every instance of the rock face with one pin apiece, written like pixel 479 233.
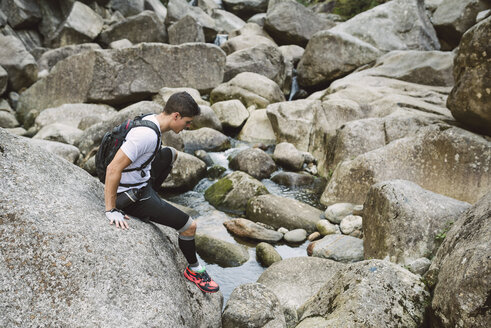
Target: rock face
pixel 253 305
pixel 130 74
pixel 86 282
pixel 290 22
pixel 287 155
pixel 284 212
pixel 232 192
pixel 186 172
pixel 206 139
pixel 258 128
pixel 187 29
pixel 462 272
pixel 53 56
pixel 443 159
pixel 73 114
pixel 231 113
pixel 339 248
pixel 403 221
pixel 254 162
pixel 397 298
pixel 452 18
pixel 20 65
pixel 21 14
pixel 470 98
pixel 365 37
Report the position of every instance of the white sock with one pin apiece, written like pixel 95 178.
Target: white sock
pixel 196 268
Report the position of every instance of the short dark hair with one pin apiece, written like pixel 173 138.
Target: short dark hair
pixel 183 103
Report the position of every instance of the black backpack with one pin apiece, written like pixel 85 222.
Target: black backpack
pixel 113 140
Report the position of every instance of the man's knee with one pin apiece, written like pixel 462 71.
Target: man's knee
pixel 190 231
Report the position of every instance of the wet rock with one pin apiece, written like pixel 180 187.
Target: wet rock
pixel 204 156
pixel 51 57
pixel 250 89
pixel 286 155
pixel 186 172
pixel 73 114
pixel 292 121
pixel 402 221
pixel 39 227
pixel 257 128
pixel 326 228
pixel 254 162
pixel 226 22
pixel 248 229
pixel 337 212
pixel 438 159
pixel 460 271
pixel 267 255
pixel 289 22
pixel 296 236
pixel 206 139
pixel 20 65
pixel 339 248
pixel 59 132
pixel 351 223
pixel 253 305
pixel 143 27
pixel 453 18
pixel 295 280
pixel 187 29
pixel 63 150
pixel 206 119
pixel 470 98
pixel 232 192
pixel 282 212
pixel 293 179
pixel 92 77
pixel 398 298
pixel 221 252
pixel 81 26
pixel 21 14
pixel 231 113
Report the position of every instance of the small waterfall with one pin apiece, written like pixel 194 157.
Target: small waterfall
pixel 220 39
pixel 294 88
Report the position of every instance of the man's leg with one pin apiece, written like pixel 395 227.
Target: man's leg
pixel 157 210
pixel 161 166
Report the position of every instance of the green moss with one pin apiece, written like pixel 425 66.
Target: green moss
pixel 216 193
pixel 439 237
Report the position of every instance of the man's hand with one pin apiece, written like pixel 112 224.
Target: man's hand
pixel 119 217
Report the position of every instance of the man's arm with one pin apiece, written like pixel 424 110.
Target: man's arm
pixel 113 177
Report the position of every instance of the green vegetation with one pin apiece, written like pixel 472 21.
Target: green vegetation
pixel 216 193
pixel 346 8
pixel 439 237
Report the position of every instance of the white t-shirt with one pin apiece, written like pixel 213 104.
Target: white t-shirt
pixel 139 147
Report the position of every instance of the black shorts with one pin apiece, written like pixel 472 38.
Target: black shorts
pixel 145 203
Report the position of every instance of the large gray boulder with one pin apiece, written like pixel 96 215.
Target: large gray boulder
pixel 246 9
pixel 206 119
pixel 470 98
pixel 206 139
pixel 232 192
pixel 177 9
pixel 157 7
pixel 81 26
pixel 255 162
pixel 144 27
pixel 59 254
pixel 367 294
pixel 51 57
pixel 20 65
pixel 231 113
pixel 258 128
pixel 226 22
pixel 187 29
pixel 131 74
pixel 403 221
pixel 290 22
pixel 4 78
pixel 278 212
pixel 443 159
pixel 253 305
pixel 73 114
pixel 295 280
pixel 460 274
pixel 245 41
pixel 250 88
pixel 452 18
pixel 248 229
pixel 394 25
pixel 339 248
pixel 221 252
pixel 92 136
pixel 127 7
pixel 263 59
pixel 186 173
pixel 63 150
pixel 21 14
pixel 59 132
pixel 292 121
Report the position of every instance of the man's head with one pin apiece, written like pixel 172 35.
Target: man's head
pixel 181 108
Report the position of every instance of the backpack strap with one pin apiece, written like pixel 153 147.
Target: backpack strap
pixel 138 122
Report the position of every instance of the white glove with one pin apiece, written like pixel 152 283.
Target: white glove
pixel 118 217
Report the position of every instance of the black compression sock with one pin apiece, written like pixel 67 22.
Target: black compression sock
pixel 188 248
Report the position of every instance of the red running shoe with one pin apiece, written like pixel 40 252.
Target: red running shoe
pixel 202 280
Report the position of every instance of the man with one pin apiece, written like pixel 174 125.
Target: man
pixel 135 192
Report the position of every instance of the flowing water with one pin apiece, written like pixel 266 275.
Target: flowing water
pixel 211 221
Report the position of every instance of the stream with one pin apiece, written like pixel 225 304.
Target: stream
pixel 210 221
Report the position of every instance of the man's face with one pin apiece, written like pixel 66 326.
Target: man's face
pixel 181 123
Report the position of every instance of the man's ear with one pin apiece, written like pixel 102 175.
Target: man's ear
pixel 175 115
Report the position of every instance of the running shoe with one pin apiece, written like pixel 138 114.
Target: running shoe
pixel 202 280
